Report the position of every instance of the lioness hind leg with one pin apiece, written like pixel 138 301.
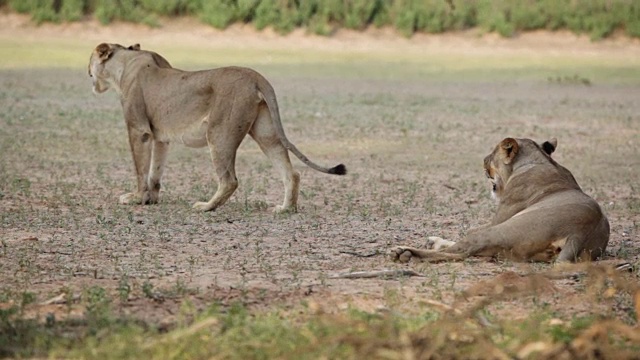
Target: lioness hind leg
pixel 264 133
pixel 279 155
pixel 224 165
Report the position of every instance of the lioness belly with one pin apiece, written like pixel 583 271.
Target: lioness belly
pixel 194 135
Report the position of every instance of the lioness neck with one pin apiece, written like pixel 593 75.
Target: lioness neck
pixel 121 62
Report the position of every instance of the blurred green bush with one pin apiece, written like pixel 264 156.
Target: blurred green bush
pixel 598 18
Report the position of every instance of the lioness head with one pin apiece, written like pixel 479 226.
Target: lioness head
pixel 510 153
pixel 100 74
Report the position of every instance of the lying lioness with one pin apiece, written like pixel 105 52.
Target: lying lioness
pixel 215 108
pixel 542 215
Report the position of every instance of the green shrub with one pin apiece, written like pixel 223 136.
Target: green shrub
pixel 405 22
pixel 381 17
pixel 434 16
pixel 40 10
pixel 218 13
pixel 598 18
pixel 281 14
pixel 72 10
pixel 632 20
pixel 307 11
pixel 129 11
pixel 267 13
pixel 126 10
pixel 495 16
pixel 105 11
pixel 43 11
pixel 359 13
pixel 632 24
pixel 245 10
pixel 332 11
pixel 150 20
pixel 166 7
pixel 464 14
pixel 318 16
pixel 557 12
pixel 529 14
pixel 22 6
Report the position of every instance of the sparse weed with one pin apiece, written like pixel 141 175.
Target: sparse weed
pixel 570 80
pixel 98 305
pixel 124 288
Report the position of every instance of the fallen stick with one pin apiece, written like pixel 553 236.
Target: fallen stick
pixel 359 254
pixel 375 274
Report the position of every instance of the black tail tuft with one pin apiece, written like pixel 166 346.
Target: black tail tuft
pixel 338 170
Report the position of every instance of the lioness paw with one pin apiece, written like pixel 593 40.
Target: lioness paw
pixel 279 209
pixel 154 197
pixel 203 206
pixel 401 254
pixel 131 199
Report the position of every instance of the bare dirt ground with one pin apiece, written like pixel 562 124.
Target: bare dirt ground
pixel 414 151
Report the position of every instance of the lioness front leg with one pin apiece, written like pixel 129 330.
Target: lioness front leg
pixel 158 159
pixel 140 142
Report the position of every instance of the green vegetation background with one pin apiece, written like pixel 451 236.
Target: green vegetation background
pixel 598 18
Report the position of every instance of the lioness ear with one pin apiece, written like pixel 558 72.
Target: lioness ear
pixel 134 47
pixel 550 146
pixel 104 51
pixel 509 147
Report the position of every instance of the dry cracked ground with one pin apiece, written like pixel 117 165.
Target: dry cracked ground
pixel 413 145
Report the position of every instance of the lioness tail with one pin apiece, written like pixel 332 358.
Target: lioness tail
pixel 270 98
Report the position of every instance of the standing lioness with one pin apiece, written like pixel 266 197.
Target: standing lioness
pixel 542 214
pixel 211 107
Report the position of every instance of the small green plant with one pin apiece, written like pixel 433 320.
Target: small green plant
pixel 124 288
pixel 98 306
pixel 22 186
pixel 147 289
pixel 27 298
pixel 571 80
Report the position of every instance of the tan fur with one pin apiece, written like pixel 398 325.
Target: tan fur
pixel 542 214
pixel 215 108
